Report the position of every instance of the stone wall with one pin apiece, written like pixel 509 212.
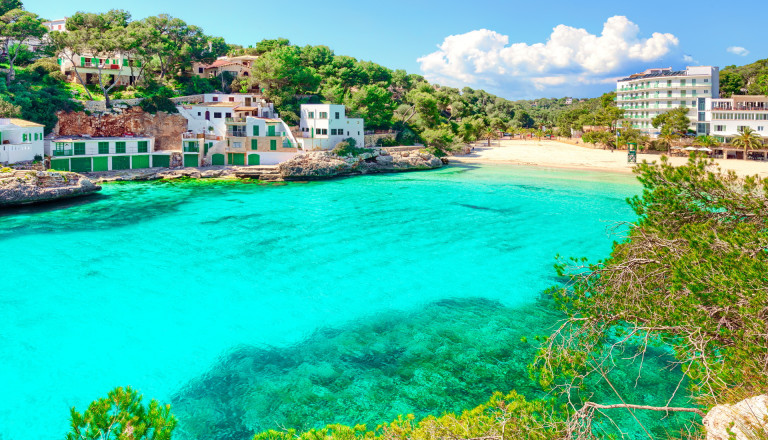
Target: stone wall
pixel 165 128
pixel 101 106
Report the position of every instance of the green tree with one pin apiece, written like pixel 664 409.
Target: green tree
pixel 374 104
pixel 121 416
pixel 706 141
pixel 747 139
pixel 8 110
pixel 688 277
pixel 731 83
pixel 9 5
pixel 522 120
pixel 673 121
pixel 16 28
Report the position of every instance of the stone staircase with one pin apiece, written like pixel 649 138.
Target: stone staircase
pixel 260 172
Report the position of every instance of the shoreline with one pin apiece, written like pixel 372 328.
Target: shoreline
pixel 562 155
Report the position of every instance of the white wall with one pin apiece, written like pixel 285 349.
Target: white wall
pixel 272 158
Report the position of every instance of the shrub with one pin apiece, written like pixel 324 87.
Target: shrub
pixel 157 103
pixel 348 147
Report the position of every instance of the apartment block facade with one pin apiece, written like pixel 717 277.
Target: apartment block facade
pixel 645 95
pixel 323 126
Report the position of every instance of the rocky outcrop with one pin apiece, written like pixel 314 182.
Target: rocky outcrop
pixel 324 164
pixel 164 127
pixel 23 187
pixel 745 420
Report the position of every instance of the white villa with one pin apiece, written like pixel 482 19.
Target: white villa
pixel 126 71
pixel 235 129
pixel 726 118
pixel 325 125
pixel 20 141
pixel 85 154
pixel 645 95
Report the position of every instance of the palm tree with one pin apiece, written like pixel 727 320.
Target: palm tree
pixel 748 139
pixel 706 141
pixel 489 133
pixel 667 138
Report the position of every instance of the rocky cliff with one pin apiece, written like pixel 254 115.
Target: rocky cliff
pixel 324 164
pixel 22 187
pixel 166 128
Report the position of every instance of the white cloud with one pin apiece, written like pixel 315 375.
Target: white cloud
pixel 738 50
pixel 571 55
pixel 689 59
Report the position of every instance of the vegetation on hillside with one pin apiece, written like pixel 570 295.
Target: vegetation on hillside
pixel 750 79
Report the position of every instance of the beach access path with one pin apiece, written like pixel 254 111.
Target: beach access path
pixel 555 154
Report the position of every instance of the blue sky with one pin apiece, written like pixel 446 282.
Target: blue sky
pixel 506 47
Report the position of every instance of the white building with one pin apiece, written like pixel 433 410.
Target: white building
pixel 726 118
pixel 20 141
pixel 124 69
pixel 56 25
pixel 325 125
pixel 235 129
pixel 85 154
pixel 645 95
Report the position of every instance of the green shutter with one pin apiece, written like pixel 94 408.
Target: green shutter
pixel 255 130
pixel 119 147
pixel 254 144
pixel 273 144
pixel 103 148
pixel 190 160
pixel 79 148
pixel 143 146
pixel 270 130
pixel 24 137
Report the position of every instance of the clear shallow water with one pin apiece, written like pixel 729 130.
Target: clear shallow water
pixel 251 306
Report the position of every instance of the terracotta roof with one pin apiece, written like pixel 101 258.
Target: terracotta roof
pixel 246 109
pixel 23 123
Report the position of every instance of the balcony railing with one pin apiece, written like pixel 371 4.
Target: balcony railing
pixel 235 120
pixel 236 133
pixel 62 152
pixel 191 149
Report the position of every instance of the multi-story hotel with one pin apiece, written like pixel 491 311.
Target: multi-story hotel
pixel 645 95
pixel 726 118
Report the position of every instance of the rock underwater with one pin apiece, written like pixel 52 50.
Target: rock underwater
pixel 23 187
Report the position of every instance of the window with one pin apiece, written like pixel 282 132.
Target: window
pixel 199 114
pixel 217 115
pixel 215 99
pixel 337 115
pixel 119 147
pixel 719 127
pixel 254 144
pixel 741 128
pixel 669 83
pixel 760 128
pixel 237 145
pixel 323 115
pixel 143 146
pixel 103 147
pixel 311 115
pixel 231 99
pixel 24 137
pixel 255 130
pixel 693 82
pixel 199 70
pixel 79 148
pixel 228 115
pixel 273 144
pixel 706 80
pixel 682 83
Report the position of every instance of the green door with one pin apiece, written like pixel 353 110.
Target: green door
pixel 140 161
pixel 101 163
pixel 190 160
pixel 236 158
pixel 121 162
pixel 81 164
pixel 270 130
pixel 217 159
pixel 273 144
pixel 161 160
pixel 60 164
pixel 253 159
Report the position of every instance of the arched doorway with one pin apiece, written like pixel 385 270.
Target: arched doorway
pixel 207 115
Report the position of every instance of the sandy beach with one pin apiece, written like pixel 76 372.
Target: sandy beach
pixel 556 154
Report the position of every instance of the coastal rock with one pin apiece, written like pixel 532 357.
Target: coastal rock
pixel 324 164
pixel 23 187
pixel 744 420
pixel 164 127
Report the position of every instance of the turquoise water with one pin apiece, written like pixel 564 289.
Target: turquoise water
pixel 251 306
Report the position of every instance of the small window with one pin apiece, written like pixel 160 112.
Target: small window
pixel 143 146
pixel 79 148
pixel 337 115
pixel 323 115
pixel 254 144
pixel 199 114
pixel 228 115
pixel 119 147
pixel 199 70
pixel 231 99
pixel 103 147
pixel 215 98
pixel 311 115
pixel 255 130
pixel 217 115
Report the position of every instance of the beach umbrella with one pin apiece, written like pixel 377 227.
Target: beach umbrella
pixel 690 149
pixel 705 149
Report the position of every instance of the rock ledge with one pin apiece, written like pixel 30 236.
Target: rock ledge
pixel 24 187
